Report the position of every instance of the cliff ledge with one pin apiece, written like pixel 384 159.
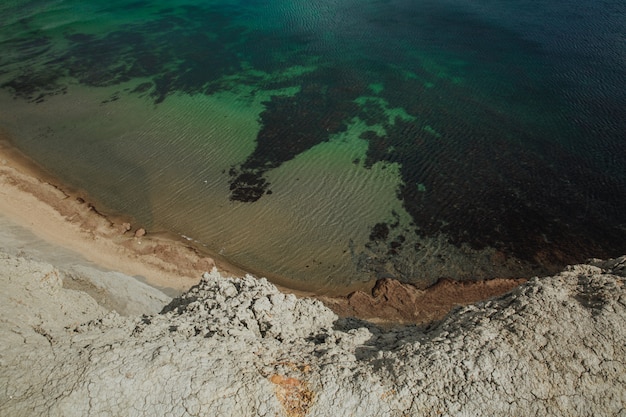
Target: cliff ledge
pixel 555 346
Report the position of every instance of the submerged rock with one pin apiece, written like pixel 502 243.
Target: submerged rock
pixel 554 346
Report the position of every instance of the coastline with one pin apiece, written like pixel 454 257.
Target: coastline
pixel 38 202
pixel 33 200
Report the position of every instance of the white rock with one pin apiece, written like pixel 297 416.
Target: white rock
pixel 232 347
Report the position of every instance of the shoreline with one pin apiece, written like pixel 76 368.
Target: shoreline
pixel 72 214
pixel 32 199
pixel 35 200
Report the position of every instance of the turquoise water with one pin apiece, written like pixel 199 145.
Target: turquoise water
pixel 327 143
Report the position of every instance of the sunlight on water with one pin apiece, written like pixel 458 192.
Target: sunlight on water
pixel 328 143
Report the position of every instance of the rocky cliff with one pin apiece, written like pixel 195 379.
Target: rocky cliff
pixel 555 346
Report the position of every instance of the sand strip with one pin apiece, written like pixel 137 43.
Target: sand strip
pixel 29 198
pixel 34 200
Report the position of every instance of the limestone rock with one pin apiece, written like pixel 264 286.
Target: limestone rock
pixel 555 346
pixel 115 291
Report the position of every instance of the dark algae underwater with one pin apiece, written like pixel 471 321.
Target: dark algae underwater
pixel 362 139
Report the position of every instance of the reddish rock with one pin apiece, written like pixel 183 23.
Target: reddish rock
pixel 393 301
pixel 125 227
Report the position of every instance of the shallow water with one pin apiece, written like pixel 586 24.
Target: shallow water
pixel 329 143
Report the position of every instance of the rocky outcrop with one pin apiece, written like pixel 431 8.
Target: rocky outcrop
pixel 554 346
pixel 393 301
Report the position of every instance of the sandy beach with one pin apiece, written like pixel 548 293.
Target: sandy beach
pixel 33 200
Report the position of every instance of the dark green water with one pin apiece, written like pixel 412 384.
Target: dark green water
pixel 330 142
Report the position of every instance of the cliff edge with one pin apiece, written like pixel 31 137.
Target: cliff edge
pixel 555 346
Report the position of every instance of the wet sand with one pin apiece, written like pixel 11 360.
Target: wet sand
pixel 34 200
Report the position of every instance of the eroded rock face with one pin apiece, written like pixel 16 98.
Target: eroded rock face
pixel 397 302
pixel 553 346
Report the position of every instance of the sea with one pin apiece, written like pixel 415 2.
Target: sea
pixel 327 143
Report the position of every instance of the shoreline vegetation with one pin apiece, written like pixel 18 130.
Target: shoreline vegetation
pixel 38 202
